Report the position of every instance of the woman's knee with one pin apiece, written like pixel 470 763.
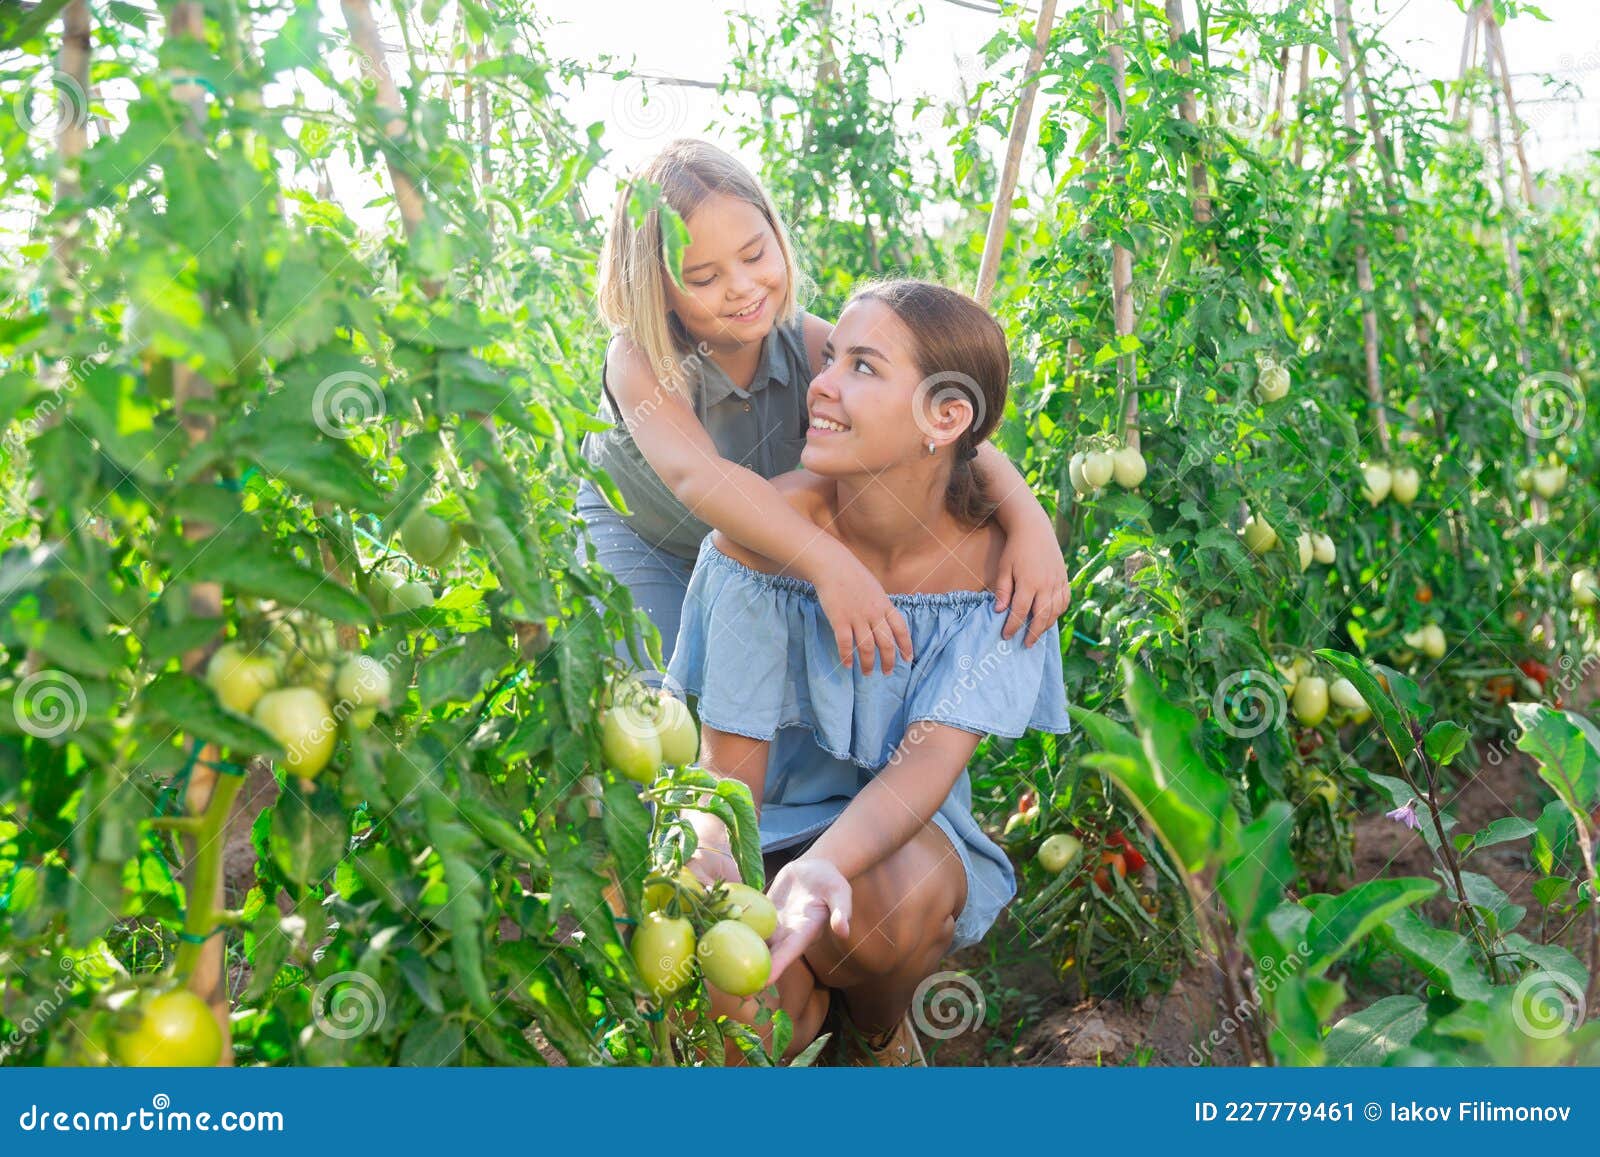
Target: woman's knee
pixel 903 913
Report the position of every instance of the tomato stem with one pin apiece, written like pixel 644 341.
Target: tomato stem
pixel 664 1055
pixel 201 919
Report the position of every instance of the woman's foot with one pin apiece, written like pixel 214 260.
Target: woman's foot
pixel 896 1048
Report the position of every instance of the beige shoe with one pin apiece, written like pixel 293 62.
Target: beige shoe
pixel 897 1049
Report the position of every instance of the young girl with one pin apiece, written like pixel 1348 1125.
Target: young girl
pixel 705 386
pixel 861 784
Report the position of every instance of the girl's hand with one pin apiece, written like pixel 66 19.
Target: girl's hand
pixel 865 623
pixel 713 855
pixel 809 894
pixel 1033 580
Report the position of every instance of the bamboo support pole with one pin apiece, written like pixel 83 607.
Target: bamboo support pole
pixel 1299 105
pixel 1199 185
pixel 1344 39
pixel 1021 118
pixel 1469 46
pixel 1121 255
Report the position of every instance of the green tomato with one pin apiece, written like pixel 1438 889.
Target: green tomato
pixel 175 1029
pixel 630 744
pixel 299 719
pixel 1272 382
pixel 383 587
pixel 734 958
pixel 1259 535
pixel 680 738
pixel 1404 483
pixel 362 681
pixel 1128 467
pixel 1098 468
pixel 658 896
pixel 663 952
pixel 750 906
pixel 1311 700
pixel 1057 852
pixel 240 678
pixel 430 540
pixel 412 596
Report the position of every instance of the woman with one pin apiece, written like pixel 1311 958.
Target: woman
pixel 878 867
pixel 704 384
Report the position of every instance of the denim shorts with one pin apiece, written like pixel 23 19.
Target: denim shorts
pixel 655 578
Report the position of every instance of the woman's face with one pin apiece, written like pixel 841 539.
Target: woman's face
pixel 735 281
pixel 864 402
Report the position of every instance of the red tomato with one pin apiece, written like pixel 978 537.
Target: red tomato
pixel 1131 855
pixel 1536 671
pixel 1026 800
pixel 1102 878
pixel 1500 688
pixel 1424 593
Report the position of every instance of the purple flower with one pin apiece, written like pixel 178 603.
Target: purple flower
pixel 1406 815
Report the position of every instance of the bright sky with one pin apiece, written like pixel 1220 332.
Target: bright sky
pixel 688 39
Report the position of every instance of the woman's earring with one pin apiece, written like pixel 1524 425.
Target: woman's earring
pixel 930 446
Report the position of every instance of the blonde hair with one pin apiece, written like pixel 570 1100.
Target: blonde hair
pixel 632 287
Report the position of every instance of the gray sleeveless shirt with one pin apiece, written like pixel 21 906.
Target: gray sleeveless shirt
pixel 763 428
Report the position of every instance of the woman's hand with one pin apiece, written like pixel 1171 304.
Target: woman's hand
pixel 713 855
pixel 809 894
pixel 865 623
pixel 1033 580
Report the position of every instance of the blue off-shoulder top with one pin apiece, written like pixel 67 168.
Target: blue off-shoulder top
pixel 759 653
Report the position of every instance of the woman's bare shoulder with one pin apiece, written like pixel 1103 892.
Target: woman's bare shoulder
pixel 809 494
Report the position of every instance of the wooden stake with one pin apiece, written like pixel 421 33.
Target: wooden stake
pixel 1199 184
pixel 1021 118
pixel 1469 44
pixel 1300 106
pixel 1344 38
pixel 1121 255
pixel 1494 44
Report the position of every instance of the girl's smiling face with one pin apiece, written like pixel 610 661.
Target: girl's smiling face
pixel 863 402
pixel 734 277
